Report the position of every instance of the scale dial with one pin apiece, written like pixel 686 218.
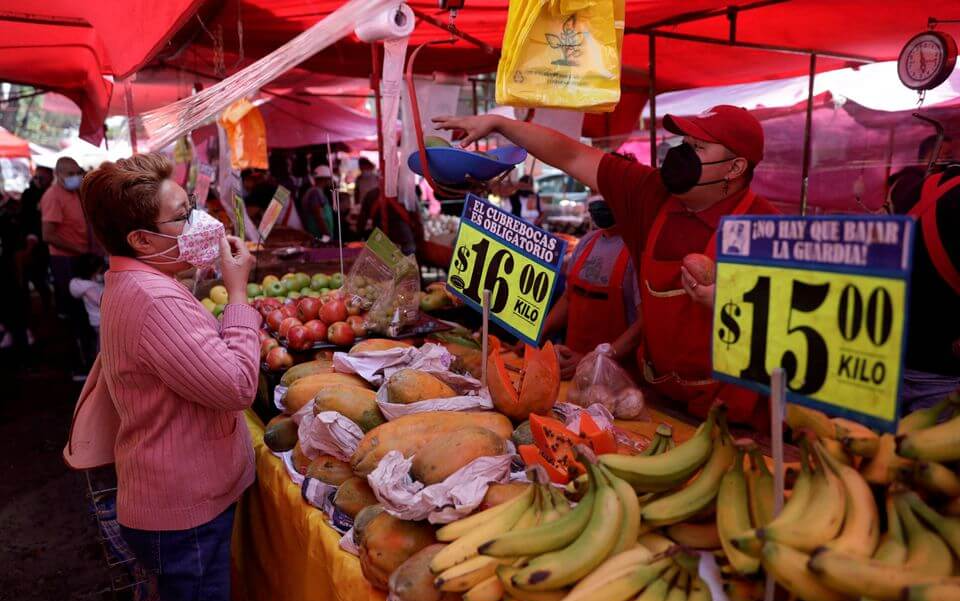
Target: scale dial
pixel 927 60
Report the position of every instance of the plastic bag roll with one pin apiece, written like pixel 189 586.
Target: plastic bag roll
pixel 391 23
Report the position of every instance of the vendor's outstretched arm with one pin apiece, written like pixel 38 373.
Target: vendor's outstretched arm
pixel 550 146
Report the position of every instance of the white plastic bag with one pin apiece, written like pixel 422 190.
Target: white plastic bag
pixel 600 379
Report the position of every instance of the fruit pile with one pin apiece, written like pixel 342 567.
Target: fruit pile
pixel 437 298
pixel 290 286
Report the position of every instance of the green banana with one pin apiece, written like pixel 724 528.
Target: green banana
pixel 659 588
pixel 936 443
pixel 631 512
pixel 733 516
pixel 921 419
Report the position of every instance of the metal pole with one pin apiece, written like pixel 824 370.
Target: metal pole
pixel 807 132
pixel 653 99
pixel 778 397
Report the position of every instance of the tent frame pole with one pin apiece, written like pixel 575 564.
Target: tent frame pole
pixel 807 135
pixel 652 56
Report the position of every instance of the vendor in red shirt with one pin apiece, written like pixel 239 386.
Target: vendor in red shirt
pixel 665 214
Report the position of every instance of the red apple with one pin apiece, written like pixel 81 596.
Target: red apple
pixel 341 334
pixel 357 323
pixel 289 310
pixel 262 334
pixel 269 343
pixel 299 338
pixel 288 323
pixel 274 319
pixel 279 359
pixel 333 311
pixel 308 309
pixel 317 329
pixel 354 306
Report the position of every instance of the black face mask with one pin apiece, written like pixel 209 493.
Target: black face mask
pixel 681 169
pixel 601 214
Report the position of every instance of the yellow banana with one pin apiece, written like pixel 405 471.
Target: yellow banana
pixel 947 590
pixel 739 589
pixel 936 478
pixel 455 530
pixel 801 418
pixel 948 528
pixel 852 429
pixel 659 588
pixel 862 577
pixel 617 565
pixel 467 574
pixel 921 419
pixel 861 447
pixel 465 546
pixel 927 553
pixel 490 589
pixel 631 512
pixel 506 575
pixel 657 473
pixel 937 443
pixel 697 495
pixel 678 592
pixel 760 490
pixel 952 507
pixel 568 565
pixel 789 567
pixel 884 466
pixel 655 543
pixel 861 522
pixel 733 516
pixel 700 535
pixel 698 591
pixel 623 587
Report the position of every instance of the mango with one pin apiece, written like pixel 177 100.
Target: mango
pixel 353 495
pixel 329 470
pixel 446 454
pixel 281 435
pixel 411 385
pixel 359 405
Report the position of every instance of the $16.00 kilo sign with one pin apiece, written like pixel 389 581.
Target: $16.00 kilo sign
pixel 824 298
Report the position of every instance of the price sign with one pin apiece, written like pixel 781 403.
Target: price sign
pixel 270 216
pixel 824 298
pixel 517 261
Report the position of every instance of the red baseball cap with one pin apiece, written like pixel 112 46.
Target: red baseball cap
pixel 731 126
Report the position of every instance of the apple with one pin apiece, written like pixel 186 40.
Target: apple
pixel 290 284
pixel 218 310
pixel 287 276
pixel 341 334
pixel 266 345
pixel 306 291
pixel 324 291
pixel 286 324
pixel 208 304
pixel 218 294
pixel 312 294
pixel 358 324
pixel 317 329
pixel 254 289
pixel 302 280
pixel 308 308
pixel 333 311
pixel 275 289
pixel 294 295
pixel 279 359
pixel 354 306
pixel 320 281
pixel 263 334
pixel 299 338
pixel 274 318
pixel 336 280
pixel 267 280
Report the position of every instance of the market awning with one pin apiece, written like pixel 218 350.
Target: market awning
pixel 12 146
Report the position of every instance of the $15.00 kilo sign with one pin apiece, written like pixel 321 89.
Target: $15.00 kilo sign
pixel 824 298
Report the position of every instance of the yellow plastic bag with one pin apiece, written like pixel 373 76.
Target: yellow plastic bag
pixel 246 134
pixel 562 54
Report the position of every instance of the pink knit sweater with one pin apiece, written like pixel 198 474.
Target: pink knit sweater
pixel 179 380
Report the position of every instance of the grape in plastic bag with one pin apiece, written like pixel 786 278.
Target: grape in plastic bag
pixel 385 283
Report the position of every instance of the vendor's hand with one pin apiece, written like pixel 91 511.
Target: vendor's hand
pixel 569 359
pixel 700 293
pixel 235 265
pixel 476 127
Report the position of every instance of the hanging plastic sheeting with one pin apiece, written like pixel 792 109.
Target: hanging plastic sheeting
pixel 395 52
pixel 246 134
pixel 166 124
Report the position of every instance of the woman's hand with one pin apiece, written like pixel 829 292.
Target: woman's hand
pixel 476 127
pixel 700 293
pixel 235 265
pixel 569 359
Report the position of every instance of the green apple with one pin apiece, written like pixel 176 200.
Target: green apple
pixel 288 276
pixel 208 304
pixel 312 293
pixel 290 284
pixel 269 280
pixel 303 280
pixel 324 291
pixel 218 294
pixel 218 309
pixel 294 294
pixel 336 280
pixel 319 281
pixel 275 289
pixel 305 291
pixel 254 290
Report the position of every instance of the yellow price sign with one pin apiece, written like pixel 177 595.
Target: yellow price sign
pixel 837 331
pixel 516 261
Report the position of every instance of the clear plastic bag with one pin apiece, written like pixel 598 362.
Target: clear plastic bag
pixel 385 283
pixel 600 379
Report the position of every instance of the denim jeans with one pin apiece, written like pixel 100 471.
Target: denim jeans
pixel 189 565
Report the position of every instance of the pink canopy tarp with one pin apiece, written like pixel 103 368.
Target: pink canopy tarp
pixel 12 146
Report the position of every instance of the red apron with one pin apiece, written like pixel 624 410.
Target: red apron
pixel 675 356
pixel 596 314
pixel 926 211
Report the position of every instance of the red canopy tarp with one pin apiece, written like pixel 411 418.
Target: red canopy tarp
pixel 12 147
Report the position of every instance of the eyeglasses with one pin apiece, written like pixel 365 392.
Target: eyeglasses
pixel 192 200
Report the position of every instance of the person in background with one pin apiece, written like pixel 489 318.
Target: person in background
pixel 37 264
pixel 87 286
pixel 366 181
pixel 317 211
pixel 524 202
pixel 178 377
pixel 601 301
pixel 664 215
pixel 904 185
pixel 15 300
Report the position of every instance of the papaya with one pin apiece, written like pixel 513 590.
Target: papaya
pixel 531 456
pixel 466 359
pixel 359 405
pixel 377 344
pixel 362 519
pixel 447 453
pixel 538 387
pixel 412 385
pixel 329 470
pixel 387 542
pixel 497 494
pixel 302 370
pixel 303 390
pixel 601 441
pixel 409 433
pixel 300 461
pixel 280 435
pixel 521 434
pixel 353 495
pixel 413 580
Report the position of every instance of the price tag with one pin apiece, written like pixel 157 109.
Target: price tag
pixel 517 261
pixel 270 216
pixel 823 297
pixel 239 217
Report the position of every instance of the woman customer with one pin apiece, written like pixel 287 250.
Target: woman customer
pixel 178 378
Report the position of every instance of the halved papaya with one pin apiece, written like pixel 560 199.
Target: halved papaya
pixel 601 441
pixel 531 455
pixel 537 387
pixel 556 442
